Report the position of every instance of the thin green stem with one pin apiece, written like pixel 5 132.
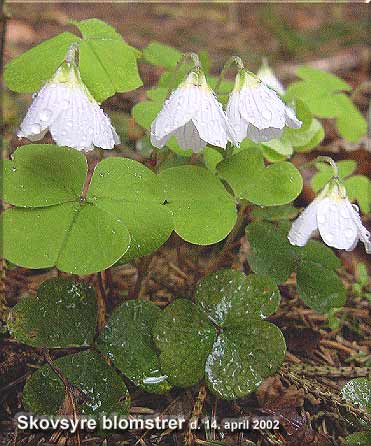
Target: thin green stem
pixel 232 60
pixel 197 65
pixel 331 162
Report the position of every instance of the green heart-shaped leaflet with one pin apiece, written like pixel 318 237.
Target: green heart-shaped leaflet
pixel 63 314
pixel 127 341
pixel 274 185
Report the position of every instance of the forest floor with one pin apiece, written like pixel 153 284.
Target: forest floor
pixel 305 394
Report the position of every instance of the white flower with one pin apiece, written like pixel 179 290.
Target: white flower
pixel 336 219
pixel 194 116
pixel 65 107
pixel 256 112
pixel 267 76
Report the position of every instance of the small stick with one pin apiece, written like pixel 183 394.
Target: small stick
pixel 101 303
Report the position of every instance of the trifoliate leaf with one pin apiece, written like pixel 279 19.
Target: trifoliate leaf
pixel 127 340
pixel 350 122
pixel 184 337
pixel 222 335
pixel 270 251
pixel 29 71
pixel 320 288
pixel 211 158
pixel 242 358
pixel 102 389
pixel 230 297
pixel 122 213
pixel 274 185
pixel 203 211
pixel 358 391
pixel 63 314
pixel 165 56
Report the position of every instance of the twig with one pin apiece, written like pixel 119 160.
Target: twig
pixel 140 286
pixel 189 438
pixel 101 303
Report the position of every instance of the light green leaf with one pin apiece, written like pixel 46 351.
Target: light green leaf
pixel 127 340
pixel 133 194
pixel 358 188
pixel 211 158
pixel 157 94
pixel 124 206
pixel 317 134
pixel 76 238
pixel 29 71
pixel 43 175
pixel 322 79
pixel 107 63
pixel 203 211
pixel 282 146
pixel 270 251
pixel 350 122
pixel 101 388
pixel 242 358
pixel 184 337
pixel 320 288
pixel 358 391
pixel 274 185
pixel 145 113
pixel 63 314
pixel 165 56
pixel 230 298
pixel 362 274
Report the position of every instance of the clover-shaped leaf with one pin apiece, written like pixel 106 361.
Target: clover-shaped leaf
pixel 106 62
pixel 202 209
pixel 127 340
pixel 165 56
pixel 63 314
pixel 222 335
pixel 272 254
pixel 274 185
pixel 102 390
pixel 122 213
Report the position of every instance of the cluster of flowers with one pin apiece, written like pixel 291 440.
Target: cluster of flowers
pixel 193 114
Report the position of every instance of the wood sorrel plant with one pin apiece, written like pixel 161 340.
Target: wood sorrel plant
pixel 63 216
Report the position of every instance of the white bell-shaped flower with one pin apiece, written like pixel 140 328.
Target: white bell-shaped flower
pixel 194 116
pixel 65 107
pixel 336 219
pixel 267 76
pixel 255 111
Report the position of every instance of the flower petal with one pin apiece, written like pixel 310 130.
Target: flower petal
pixel 175 113
pixel 189 138
pixel 363 233
pixel 336 224
pixel 305 226
pixel 234 116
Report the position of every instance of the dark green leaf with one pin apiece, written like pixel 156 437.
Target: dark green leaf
pixel 230 298
pixel 270 251
pixel 317 252
pixel 319 287
pixel 127 340
pixel 63 314
pixel 184 337
pixel 102 389
pixel 242 358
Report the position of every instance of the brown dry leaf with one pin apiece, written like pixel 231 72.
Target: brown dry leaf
pixel 302 340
